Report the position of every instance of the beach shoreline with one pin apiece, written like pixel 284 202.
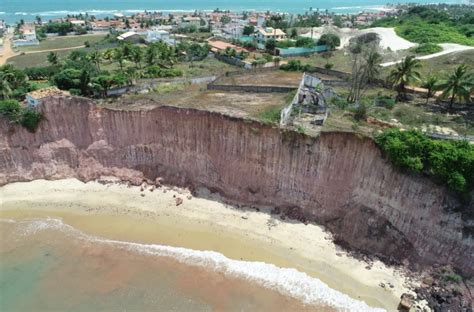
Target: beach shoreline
pixel 174 217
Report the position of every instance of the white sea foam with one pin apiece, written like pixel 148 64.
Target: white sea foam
pixel 62 13
pixel 360 7
pixel 287 281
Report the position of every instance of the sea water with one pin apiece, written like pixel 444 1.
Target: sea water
pixel 14 10
pixel 47 265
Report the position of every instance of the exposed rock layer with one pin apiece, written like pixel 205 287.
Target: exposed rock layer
pixel 338 179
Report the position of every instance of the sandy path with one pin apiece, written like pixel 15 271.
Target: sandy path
pixel 447 49
pixel 237 233
pixel 388 37
pixel 7 51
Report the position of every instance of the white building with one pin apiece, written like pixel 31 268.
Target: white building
pixel 157 34
pixel 129 36
pixel 2 28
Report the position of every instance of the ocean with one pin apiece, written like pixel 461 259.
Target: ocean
pixel 14 10
pixel 48 265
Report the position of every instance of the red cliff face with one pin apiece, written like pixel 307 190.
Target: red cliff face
pixel 338 180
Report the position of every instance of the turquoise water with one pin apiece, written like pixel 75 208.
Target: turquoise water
pixel 13 10
pixel 47 265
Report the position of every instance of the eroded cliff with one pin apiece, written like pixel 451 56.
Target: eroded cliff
pixel 338 179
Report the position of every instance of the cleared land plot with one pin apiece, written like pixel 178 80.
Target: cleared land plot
pixel 65 42
pixel 208 66
pixel 250 105
pixel 268 78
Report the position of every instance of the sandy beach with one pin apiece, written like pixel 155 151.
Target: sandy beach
pixel 152 216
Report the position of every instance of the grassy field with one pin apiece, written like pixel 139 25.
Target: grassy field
pixel 63 42
pixel 36 59
pixel 415 114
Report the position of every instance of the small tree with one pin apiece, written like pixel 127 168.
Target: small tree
pixel 330 40
pixel 458 85
pixel 53 58
pixel 327 55
pixel 294 33
pixel 248 30
pixel 403 74
pixel 270 45
pixel 431 84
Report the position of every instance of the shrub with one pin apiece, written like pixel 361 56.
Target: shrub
pixel 360 111
pixel 448 162
pixel 271 115
pixel 158 72
pixel 426 48
pixel 10 109
pixel 294 65
pixel 385 101
pixel 30 119
pixel 27 117
pixel 328 65
pixel 305 42
pixel 330 40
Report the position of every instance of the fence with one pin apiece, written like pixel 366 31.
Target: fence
pixel 250 88
pixel 147 84
pixel 301 51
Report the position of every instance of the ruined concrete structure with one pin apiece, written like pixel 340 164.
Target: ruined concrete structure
pixel 337 180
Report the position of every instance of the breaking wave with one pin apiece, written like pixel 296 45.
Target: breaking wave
pixel 287 281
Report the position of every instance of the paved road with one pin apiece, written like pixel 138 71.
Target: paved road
pixel 447 49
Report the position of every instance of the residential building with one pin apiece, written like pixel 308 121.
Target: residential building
pixel 192 20
pixel 3 28
pixel 156 34
pixel 262 35
pixel 35 98
pixel 27 36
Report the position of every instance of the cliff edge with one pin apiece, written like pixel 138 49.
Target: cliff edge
pixel 337 180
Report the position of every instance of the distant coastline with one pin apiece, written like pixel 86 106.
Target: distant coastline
pixel 29 9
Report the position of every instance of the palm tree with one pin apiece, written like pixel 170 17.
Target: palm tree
pixel 403 74
pixel 431 85
pixel 53 58
pixel 458 85
pixel 108 55
pixel 5 87
pixel 372 66
pixel 118 57
pixel 136 55
pixel 96 58
pixel 151 55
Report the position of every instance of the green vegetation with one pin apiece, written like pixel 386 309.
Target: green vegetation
pixel 14 83
pixel 405 73
pixel 426 48
pixel 448 162
pixel 64 42
pixel 17 114
pixel 458 85
pixel 423 24
pixel 270 115
pixel 330 40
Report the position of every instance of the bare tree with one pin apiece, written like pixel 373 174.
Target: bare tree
pixel 365 64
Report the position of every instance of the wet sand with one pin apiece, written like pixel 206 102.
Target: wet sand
pixel 119 212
